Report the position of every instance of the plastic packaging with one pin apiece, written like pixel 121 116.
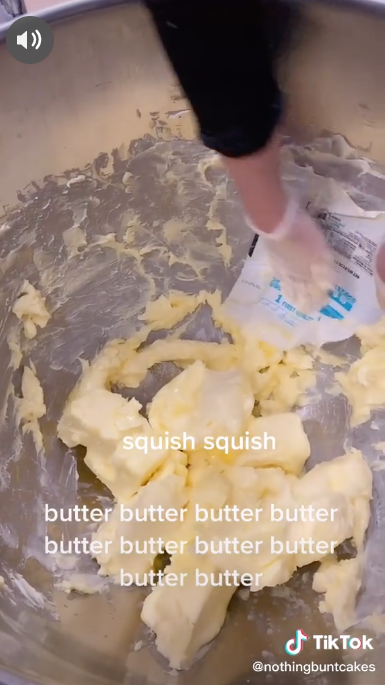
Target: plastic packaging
pixel 354 236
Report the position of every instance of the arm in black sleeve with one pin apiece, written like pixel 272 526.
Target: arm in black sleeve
pixel 219 51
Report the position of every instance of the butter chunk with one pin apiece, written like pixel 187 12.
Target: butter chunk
pixel 168 493
pixel 290 448
pixel 364 384
pixel 185 618
pixel 31 406
pixel 166 312
pixel 174 462
pixel 216 356
pixel 338 527
pixel 341 582
pixel 125 471
pixel 277 572
pixel 265 485
pixel 31 310
pixel 253 490
pixel 372 336
pixel 208 488
pixel 203 403
pixel 99 420
pixel 348 475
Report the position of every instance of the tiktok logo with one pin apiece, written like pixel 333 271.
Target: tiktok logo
pixel 295 645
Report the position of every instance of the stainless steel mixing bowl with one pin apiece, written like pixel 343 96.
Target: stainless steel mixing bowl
pixel 99 137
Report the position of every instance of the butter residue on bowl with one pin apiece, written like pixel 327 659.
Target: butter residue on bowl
pixel 31 406
pixel 364 383
pixel 30 308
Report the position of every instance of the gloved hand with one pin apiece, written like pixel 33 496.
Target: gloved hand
pixel 379 275
pixel 300 257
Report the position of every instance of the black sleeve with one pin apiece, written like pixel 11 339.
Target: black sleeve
pixel 220 53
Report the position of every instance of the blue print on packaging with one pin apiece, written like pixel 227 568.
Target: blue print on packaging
pixel 331 312
pixel 275 283
pixel 286 307
pixel 343 298
pixel 339 296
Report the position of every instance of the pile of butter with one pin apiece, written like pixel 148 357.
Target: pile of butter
pixel 228 389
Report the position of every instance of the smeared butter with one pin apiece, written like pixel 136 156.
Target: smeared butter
pixel 31 310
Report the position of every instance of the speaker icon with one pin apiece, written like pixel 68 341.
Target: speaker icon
pixel 23 39
pixel 29 40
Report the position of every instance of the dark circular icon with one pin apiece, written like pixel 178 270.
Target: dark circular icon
pixel 30 40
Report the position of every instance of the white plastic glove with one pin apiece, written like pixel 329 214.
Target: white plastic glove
pixel 379 275
pixel 300 257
